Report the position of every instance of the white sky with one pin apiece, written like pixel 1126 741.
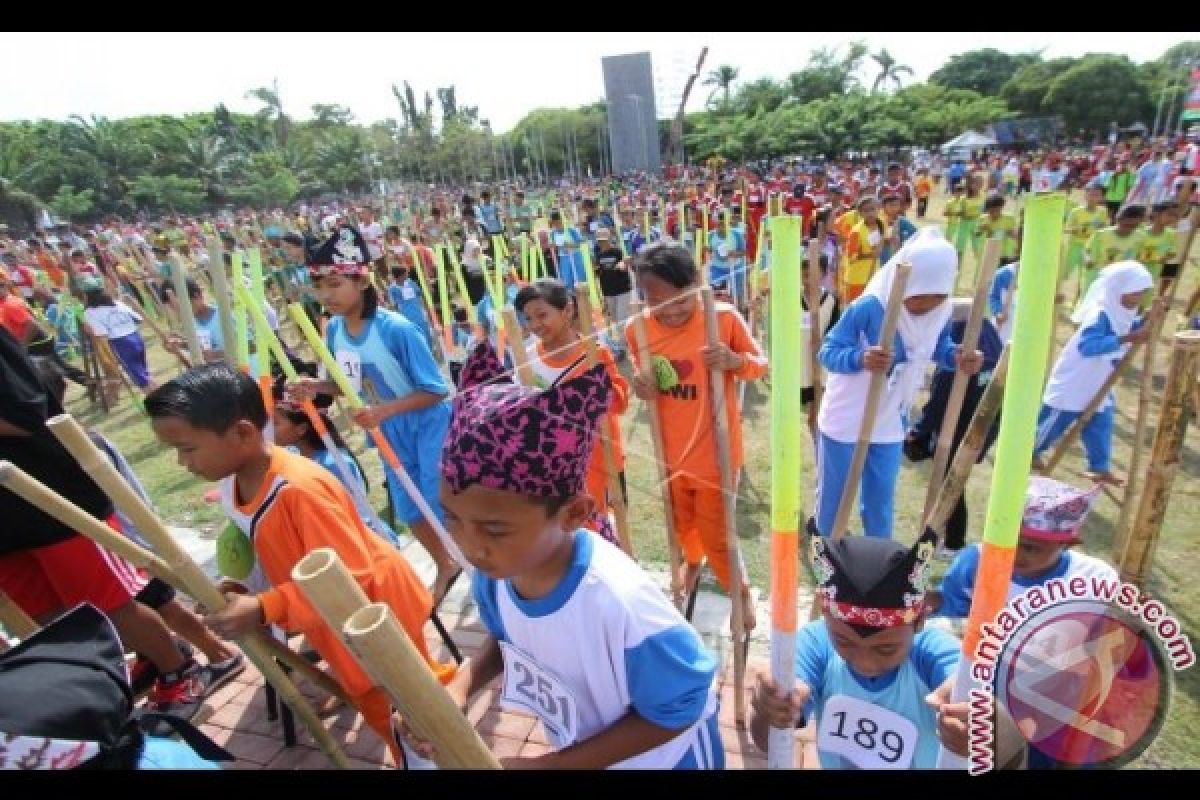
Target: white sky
pixel 505 74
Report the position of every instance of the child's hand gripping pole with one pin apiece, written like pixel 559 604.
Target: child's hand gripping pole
pixel 720 422
pixel 174 567
pixel 615 498
pixel 385 448
pixel 314 417
pixel 463 294
pixel 386 653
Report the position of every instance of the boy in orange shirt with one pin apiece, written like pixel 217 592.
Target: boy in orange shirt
pixel 923 187
pixel 288 506
pixel 667 277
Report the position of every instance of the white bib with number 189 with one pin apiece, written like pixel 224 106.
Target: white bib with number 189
pixel 866 735
pixel 530 687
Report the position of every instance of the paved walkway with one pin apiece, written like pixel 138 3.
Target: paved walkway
pixel 236 714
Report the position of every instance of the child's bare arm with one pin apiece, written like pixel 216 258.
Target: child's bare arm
pixel 629 736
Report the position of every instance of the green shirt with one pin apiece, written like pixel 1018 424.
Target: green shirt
pixel 1107 247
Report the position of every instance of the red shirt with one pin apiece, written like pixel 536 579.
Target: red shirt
pixel 15 316
pixel 802 206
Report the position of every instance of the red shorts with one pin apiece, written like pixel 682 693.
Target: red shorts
pixel 60 576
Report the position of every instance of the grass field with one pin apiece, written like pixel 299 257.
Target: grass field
pixel 179 497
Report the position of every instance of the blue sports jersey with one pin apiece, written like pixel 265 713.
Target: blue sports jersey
pixel 875 723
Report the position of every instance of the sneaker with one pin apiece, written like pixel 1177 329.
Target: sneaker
pixel 180 694
pixel 221 672
pixel 144 673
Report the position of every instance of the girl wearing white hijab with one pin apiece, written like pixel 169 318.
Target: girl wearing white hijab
pixel 1108 322
pixel 852 351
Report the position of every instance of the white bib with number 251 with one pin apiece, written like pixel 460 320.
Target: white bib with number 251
pixel 532 688
pixel 866 735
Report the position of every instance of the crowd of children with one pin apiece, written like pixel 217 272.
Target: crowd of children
pixel 504 469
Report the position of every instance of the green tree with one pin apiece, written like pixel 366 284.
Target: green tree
pixel 983 71
pixel 1025 92
pixel 71 204
pixel 761 95
pixel 169 193
pixel 1099 90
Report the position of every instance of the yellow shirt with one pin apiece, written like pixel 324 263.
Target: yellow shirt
pixel 972 207
pixel 1003 228
pixel 1082 222
pixel 1158 249
pixel 953 208
pixel 862 254
pixel 1106 247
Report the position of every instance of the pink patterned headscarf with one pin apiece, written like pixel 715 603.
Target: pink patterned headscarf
pixel 519 439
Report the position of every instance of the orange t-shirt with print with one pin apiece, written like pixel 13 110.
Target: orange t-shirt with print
pixel 689 444
pixel 300 507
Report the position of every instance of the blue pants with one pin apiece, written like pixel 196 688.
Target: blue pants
pixel 417 439
pixel 877 494
pixel 1096 435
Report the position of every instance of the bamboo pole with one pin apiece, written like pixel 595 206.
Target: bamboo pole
pixel 646 360
pixel 186 317
pixel 616 498
pixel 520 356
pixel 871 409
pixel 958 389
pixel 178 563
pixel 1142 542
pixel 15 620
pixel 967 455
pixel 222 294
pixel 337 596
pixel 728 496
pixel 383 648
pixel 813 291
pixel 1098 398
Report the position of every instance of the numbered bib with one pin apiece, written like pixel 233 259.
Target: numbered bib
pixel 351 364
pixel 532 688
pixel 205 340
pixel 407 293
pixel 867 736
pixel 874 237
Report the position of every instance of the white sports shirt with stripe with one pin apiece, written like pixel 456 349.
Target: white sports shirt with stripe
pixel 605 642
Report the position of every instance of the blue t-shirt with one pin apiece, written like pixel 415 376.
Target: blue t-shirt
pixel 390 359
pixel 406 298
pixel 882 722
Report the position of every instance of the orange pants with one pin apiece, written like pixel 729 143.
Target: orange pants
pixel 700 523
pixel 376 708
pixel 851 292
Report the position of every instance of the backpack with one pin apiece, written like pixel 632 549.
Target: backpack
pixel 66 703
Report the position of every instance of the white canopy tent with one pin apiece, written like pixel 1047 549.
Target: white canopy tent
pixel 965 143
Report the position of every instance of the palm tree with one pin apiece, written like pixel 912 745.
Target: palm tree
pixel 721 79
pixel 117 157
pixel 272 110
pixel 889 69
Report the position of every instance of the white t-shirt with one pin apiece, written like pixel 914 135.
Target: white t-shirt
pixel 112 322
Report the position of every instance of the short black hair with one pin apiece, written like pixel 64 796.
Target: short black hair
pixel 1158 208
pixel 461 315
pixel 294 239
pixel 1132 211
pixel 668 262
pixel 551 291
pixel 193 289
pixel 212 397
pixel 993 200
pixel 399 272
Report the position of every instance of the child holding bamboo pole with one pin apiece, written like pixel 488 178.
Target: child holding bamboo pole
pixel 388 362
pixel 622 680
pixel 852 352
pixel 1108 323
pixel 561 354
pixel 214 416
pixel 676 381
